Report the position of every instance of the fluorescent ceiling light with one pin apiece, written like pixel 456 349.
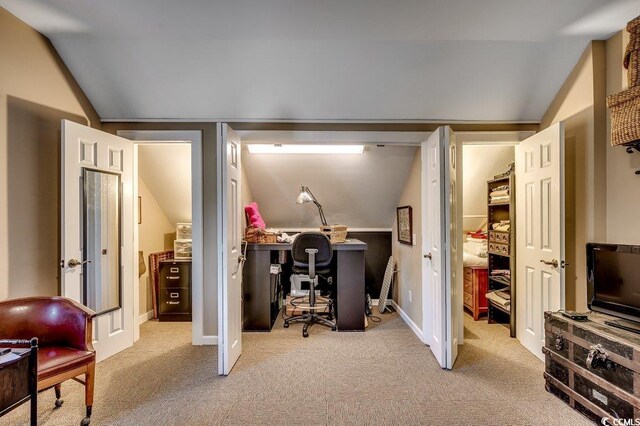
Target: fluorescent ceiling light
pixel 304 149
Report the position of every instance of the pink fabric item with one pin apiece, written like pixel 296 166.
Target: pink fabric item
pixel 254 215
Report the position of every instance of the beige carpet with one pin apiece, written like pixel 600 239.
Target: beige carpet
pixel 382 376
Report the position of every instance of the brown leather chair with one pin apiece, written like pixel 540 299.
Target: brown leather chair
pixel 64 331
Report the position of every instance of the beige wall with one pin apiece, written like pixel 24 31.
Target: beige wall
pixel 152 234
pixel 580 105
pixel 409 258
pixel 245 193
pixel 36 92
pixel 480 163
pixel 623 185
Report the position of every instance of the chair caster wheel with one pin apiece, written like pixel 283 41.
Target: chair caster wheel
pixel 333 328
pixel 305 334
pixel 59 403
pixel 85 421
pixel 286 325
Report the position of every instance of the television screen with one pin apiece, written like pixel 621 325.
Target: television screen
pixel 614 273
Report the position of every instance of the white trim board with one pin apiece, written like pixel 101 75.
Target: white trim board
pixel 209 340
pixel 412 325
pixel 145 317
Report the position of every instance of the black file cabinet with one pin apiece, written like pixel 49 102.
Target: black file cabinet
pixel 174 300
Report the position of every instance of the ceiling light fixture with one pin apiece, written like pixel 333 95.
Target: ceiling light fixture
pixel 304 149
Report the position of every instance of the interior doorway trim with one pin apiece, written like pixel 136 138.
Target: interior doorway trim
pixel 193 137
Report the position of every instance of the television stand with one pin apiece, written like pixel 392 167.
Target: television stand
pixel 631 326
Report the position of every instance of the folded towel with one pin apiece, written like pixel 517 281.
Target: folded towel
pixel 501 188
pixel 500 198
pixel 499 193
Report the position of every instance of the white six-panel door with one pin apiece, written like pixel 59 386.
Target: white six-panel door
pixel 442 312
pixel 85 147
pixel 230 230
pixel 539 233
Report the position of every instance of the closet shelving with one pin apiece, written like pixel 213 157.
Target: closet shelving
pixel 502 255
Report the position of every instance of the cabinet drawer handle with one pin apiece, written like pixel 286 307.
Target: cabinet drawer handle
pixel 174 295
pixel 173 303
pixel 173 278
pixel 175 270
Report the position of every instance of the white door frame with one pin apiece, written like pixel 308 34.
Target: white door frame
pixel 193 137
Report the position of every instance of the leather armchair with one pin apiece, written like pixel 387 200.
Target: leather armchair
pixel 64 331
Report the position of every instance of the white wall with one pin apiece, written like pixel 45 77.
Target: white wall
pixel 409 258
pixel 481 163
pixel 357 190
pixel 156 233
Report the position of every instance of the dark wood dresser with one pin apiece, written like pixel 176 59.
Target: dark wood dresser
pixel 593 367
pixel 475 288
pixel 174 299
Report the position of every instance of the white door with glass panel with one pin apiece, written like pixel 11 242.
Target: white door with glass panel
pixel 97 232
pixel 441 274
pixel 231 258
pixel 540 222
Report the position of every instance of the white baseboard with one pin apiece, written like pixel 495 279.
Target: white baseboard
pixel 209 340
pixel 412 325
pixel 145 317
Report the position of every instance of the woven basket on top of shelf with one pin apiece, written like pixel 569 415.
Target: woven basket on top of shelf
pixel 625 106
pixel 336 233
pixel 632 53
pixel 625 116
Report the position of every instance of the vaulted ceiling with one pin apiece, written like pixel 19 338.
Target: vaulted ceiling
pixel 323 60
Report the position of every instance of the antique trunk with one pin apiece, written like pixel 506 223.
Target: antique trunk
pixel 593 367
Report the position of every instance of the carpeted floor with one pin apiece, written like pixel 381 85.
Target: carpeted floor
pixel 382 376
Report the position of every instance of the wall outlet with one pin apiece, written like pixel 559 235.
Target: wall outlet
pixel 410 297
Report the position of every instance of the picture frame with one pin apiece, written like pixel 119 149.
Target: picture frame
pixel 404 217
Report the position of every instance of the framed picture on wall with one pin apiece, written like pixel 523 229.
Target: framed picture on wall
pixel 405 225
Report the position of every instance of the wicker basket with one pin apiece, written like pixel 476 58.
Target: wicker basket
pixel 625 116
pixel 336 233
pixel 632 53
pixel 260 236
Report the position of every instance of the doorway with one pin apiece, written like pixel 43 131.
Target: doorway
pixel 168 187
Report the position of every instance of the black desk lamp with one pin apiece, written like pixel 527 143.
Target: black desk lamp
pixel 306 196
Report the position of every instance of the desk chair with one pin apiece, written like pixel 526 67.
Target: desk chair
pixel 312 253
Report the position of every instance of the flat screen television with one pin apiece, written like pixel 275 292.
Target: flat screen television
pixel 613 272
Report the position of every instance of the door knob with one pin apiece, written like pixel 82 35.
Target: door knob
pixel 72 263
pixel 428 256
pixel 553 262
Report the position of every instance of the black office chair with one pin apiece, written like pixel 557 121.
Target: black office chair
pixel 312 253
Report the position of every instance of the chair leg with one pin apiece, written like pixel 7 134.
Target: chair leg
pixel 88 391
pixel 57 389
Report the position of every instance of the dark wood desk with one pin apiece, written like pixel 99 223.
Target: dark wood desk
pixel 349 275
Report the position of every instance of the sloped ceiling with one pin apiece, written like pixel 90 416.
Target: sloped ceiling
pixel 166 170
pixel 323 60
pixel 360 191
pixel 479 164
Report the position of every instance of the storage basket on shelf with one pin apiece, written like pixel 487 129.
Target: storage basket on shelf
pixel 336 233
pixel 253 234
pixel 632 53
pixel 625 116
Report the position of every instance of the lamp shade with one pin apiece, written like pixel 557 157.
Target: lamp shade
pixel 305 196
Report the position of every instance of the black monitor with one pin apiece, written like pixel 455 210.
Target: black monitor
pixel 613 272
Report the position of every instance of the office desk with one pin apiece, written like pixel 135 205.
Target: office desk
pixel 349 276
